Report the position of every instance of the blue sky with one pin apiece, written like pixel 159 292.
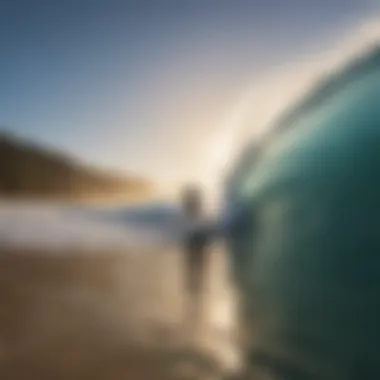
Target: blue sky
pixel 143 85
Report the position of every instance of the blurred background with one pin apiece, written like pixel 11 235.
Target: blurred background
pixel 108 108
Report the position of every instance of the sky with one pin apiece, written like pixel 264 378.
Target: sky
pixel 153 87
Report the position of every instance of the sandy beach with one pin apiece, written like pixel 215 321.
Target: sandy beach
pixel 107 315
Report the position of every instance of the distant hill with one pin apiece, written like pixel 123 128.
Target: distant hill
pixel 29 170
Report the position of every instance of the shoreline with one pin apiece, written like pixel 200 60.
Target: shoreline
pixel 111 315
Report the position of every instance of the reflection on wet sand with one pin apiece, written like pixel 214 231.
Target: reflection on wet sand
pixel 102 316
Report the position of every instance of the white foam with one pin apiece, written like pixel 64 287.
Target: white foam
pixel 34 225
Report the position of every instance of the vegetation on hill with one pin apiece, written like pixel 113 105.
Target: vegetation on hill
pixel 28 170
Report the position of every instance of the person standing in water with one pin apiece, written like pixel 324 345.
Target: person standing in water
pixel 195 239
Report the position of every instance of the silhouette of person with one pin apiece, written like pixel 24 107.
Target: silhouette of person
pixel 305 244
pixel 195 251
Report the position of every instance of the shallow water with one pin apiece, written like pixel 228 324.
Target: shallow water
pixel 79 288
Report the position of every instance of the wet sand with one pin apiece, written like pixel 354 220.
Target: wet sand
pixel 75 315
